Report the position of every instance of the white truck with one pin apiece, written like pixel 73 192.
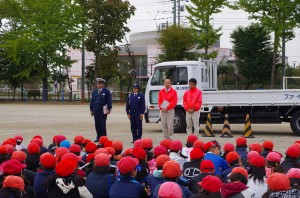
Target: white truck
pixel 263 106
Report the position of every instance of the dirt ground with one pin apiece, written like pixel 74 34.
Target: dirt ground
pixel 70 120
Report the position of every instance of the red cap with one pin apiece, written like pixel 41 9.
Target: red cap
pixel 103 139
pixel 3 150
pixel 161 160
pixel 255 147
pixel 293 152
pixel 231 156
pixel 37 136
pixel 10 148
pixel 228 147
pixel 48 160
pixel 78 139
pixel 171 169
pixel 75 148
pixel 176 145
pixel 111 151
pixel 90 157
pixel 38 141
pixel 278 182
pixel 169 190
pixel 209 145
pixel 199 144
pixel 85 141
pixel 10 141
pixel 192 138
pixel 258 161
pixel 293 173
pixel 139 153
pixel 268 145
pixel 18 137
pixel 159 150
pixel 207 166
pixel 90 147
pixel 117 145
pixel 240 170
pixel 60 151
pixel 241 141
pixel 296 145
pixel 13 167
pixel 137 143
pixel 147 143
pixel 108 143
pixel 274 157
pixel 65 168
pixel 127 164
pixel 166 143
pixel 251 155
pixel 102 160
pixel 13 182
pixel 59 139
pixel 211 183
pixel 128 152
pixel 196 153
pixel 20 156
pixel 33 148
pixel 71 157
pixel 102 150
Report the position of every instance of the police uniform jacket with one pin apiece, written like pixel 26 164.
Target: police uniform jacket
pixel 100 100
pixel 135 104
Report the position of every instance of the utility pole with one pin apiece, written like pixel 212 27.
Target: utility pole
pixel 174 13
pixel 178 12
pixel 283 56
pixel 82 65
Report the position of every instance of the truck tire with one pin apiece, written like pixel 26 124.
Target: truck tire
pixel 295 123
pixel 179 121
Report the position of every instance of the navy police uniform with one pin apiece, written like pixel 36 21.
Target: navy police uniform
pixel 135 106
pixel 100 98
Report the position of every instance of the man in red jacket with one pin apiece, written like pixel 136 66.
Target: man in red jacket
pixel 192 101
pixel 167 100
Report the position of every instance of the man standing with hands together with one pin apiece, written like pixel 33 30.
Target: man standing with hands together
pixel 192 101
pixel 167 100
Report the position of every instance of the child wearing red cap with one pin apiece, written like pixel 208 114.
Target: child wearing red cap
pixel 189 145
pixel 158 150
pixel 237 187
pixel 273 164
pixel 12 186
pixel 127 186
pixel 142 167
pixel 267 148
pixel 291 159
pixel 175 153
pixel 257 177
pixel 206 168
pixel 19 144
pixel 241 149
pixel 234 160
pixel 210 187
pixel 33 157
pixel 191 169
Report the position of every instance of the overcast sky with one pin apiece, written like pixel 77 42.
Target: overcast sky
pixel 150 13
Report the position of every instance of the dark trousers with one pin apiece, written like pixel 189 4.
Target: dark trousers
pixel 136 126
pixel 100 123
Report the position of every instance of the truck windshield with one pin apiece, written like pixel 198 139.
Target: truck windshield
pixel 178 75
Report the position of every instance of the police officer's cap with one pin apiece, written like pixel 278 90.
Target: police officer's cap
pixel 100 80
pixel 136 86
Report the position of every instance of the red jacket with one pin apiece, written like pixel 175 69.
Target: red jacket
pixel 192 99
pixel 171 97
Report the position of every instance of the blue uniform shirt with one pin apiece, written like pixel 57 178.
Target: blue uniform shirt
pixel 135 104
pixel 100 100
pixel 219 162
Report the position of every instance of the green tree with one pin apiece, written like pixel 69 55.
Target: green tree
pixel 200 18
pixel 224 71
pixel 176 44
pixel 279 16
pixel 106 22
pixel 40 31
pixel 253 50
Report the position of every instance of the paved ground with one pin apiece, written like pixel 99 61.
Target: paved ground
pixel 70 120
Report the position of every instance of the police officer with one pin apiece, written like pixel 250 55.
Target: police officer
pixel 100 107
pixel 135 108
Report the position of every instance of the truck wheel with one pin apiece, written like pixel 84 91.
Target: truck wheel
pixel 179 122
pixel 295 123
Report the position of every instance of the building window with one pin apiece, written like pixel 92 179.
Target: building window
pixel 78 83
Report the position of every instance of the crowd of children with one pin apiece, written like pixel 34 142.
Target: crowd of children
pixel 80 168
